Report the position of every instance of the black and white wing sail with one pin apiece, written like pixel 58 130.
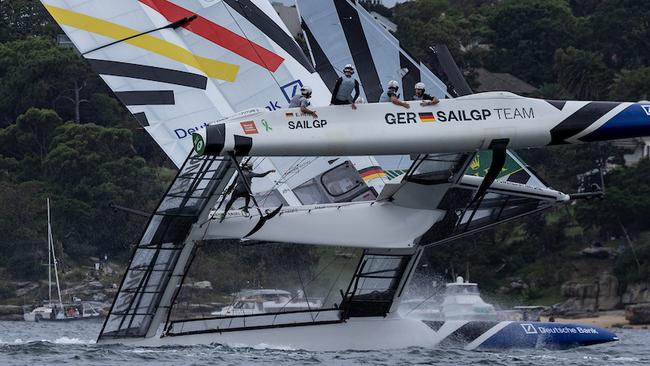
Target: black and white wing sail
pixel 341 32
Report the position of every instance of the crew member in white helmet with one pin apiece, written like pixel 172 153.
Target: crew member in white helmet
pixel 302 100
pixel 424 97
pixel 390 95
pixel 342 93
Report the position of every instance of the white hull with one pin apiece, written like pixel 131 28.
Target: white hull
pixel 357 334
pixel 454 125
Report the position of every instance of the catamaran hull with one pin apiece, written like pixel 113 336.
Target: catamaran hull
pixel 454 125
pixel 382 333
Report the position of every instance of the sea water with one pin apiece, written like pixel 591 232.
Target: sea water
pixel 73 343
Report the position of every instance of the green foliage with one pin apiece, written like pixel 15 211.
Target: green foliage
pixel 422 24
pixel 631 85
pixel 21 18
pixel 582 73
pixel 627 202
pixel 525 35
pixel 620 30
pixel 36 73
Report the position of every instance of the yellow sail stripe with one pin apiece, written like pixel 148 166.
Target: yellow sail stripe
pixel 212 68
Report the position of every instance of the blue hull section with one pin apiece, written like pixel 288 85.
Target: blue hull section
pixel 547 335
pixel 632 122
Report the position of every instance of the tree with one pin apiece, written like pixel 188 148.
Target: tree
pixel 422 24
pixel 620 30
pixel 525 35
pixel 89 167
pixel 631 85
pixel 582 73
pixel 20 18
pixel 28 141
pixel 36 72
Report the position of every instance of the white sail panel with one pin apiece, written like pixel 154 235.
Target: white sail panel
pixel 233 56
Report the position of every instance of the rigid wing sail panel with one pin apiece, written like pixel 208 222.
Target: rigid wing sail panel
pixel 341 32
pixel 222 58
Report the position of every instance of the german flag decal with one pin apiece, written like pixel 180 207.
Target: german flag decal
pixel 427 117
pixel 371 173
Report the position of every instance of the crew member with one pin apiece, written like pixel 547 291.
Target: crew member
pixel 390 95
pixel 343 88
pixel 240 190
pixel 420 94
pixel 302 100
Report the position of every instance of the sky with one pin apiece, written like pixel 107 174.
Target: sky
pixel 388 3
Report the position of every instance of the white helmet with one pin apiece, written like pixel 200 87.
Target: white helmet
pixel 349 67
pixel 420 86
pixel 393 85
pixel 305 91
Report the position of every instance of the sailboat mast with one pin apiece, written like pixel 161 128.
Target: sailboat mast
pixel 49 254
pixel 51 242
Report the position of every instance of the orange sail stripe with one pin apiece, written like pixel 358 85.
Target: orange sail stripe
pixel 212 68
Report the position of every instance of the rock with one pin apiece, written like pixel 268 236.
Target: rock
pixel 636 293
pixel 638 314
pixel 516 286
pixel 10 309
pixel 582 298
pixel 11 312
pixel 96 285
pixel 608 298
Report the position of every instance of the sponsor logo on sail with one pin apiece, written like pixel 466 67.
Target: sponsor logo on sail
pixel 291 89
pixel 529 328
pixel 249 127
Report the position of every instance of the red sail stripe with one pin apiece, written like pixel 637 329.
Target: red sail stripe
pixel 218 34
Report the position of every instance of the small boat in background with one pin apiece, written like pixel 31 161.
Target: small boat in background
pixel 57 310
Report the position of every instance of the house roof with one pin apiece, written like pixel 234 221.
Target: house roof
pixel 495 81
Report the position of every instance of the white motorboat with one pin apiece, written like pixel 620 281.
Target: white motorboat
pixel 461 301
pixel 250 302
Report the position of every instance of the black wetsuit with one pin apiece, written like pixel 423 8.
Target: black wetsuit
pixel 240 191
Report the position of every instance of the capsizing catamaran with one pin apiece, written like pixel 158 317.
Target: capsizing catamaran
pixel 195 73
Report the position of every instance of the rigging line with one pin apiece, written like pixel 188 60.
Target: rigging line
pixel 304 294
pixel 308 283
pixel 418 305
pixel 173 25
pixel 332 287
pixel 249 41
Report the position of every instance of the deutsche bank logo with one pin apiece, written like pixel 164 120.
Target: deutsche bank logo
pixel 529 328
pixel 646 108
pixel 290 90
